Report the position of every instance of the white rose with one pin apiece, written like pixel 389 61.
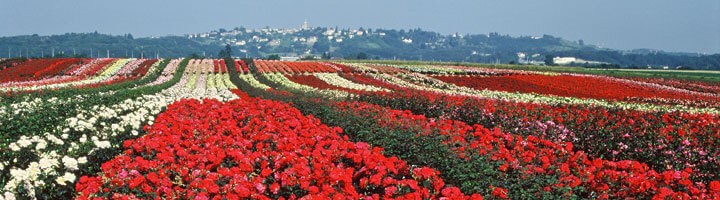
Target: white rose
pixel 68 177
pixel 41 145
pixel 46 163
pixel 70 163
pixel 52 138
pixel 33 170
pixel 9 196
pixel 14 147
pixel 60 180
pixel 24 142
pixel 82 160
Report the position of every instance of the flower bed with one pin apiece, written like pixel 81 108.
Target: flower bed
pixel 257 149
pixel 530 135
pixel 526 166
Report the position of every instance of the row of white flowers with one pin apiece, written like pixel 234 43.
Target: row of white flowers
pixel 337 80
pixel 220 81
pixel 250 79
pixel 644 84
pixel 284 81
pixel 98 128
pixel 361 67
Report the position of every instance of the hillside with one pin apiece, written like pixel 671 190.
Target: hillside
pixel 414 44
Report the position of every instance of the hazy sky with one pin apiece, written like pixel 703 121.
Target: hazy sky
pixel 671 25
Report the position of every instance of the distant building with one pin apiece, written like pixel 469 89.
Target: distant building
pixel 570 60
pixel 564 60
pixel 289 58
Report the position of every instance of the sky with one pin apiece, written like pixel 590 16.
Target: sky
pixel 669 25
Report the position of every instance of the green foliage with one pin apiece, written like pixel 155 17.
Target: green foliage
pixel 549 60
pixel 274 57
pixel 225 53
pixel 362 56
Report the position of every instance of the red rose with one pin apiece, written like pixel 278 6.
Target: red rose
pixel 499 192
pixel 136 181
pixel 715 186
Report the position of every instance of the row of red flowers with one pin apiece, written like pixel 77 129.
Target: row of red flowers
pixel 569 86
pixel 241 67
pixel 143 68
pixel 256 149
pixel 220 66
pixel 36 69
pixel 698 86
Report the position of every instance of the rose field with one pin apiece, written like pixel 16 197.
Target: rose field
pixel 119 128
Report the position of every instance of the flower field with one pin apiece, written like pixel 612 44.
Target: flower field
pixel 185 128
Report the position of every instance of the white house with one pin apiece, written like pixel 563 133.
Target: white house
pixel 289 58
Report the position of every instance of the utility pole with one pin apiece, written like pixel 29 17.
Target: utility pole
pixel 9 52
pixel 108 53
pixel 132 55
pixel 53 52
